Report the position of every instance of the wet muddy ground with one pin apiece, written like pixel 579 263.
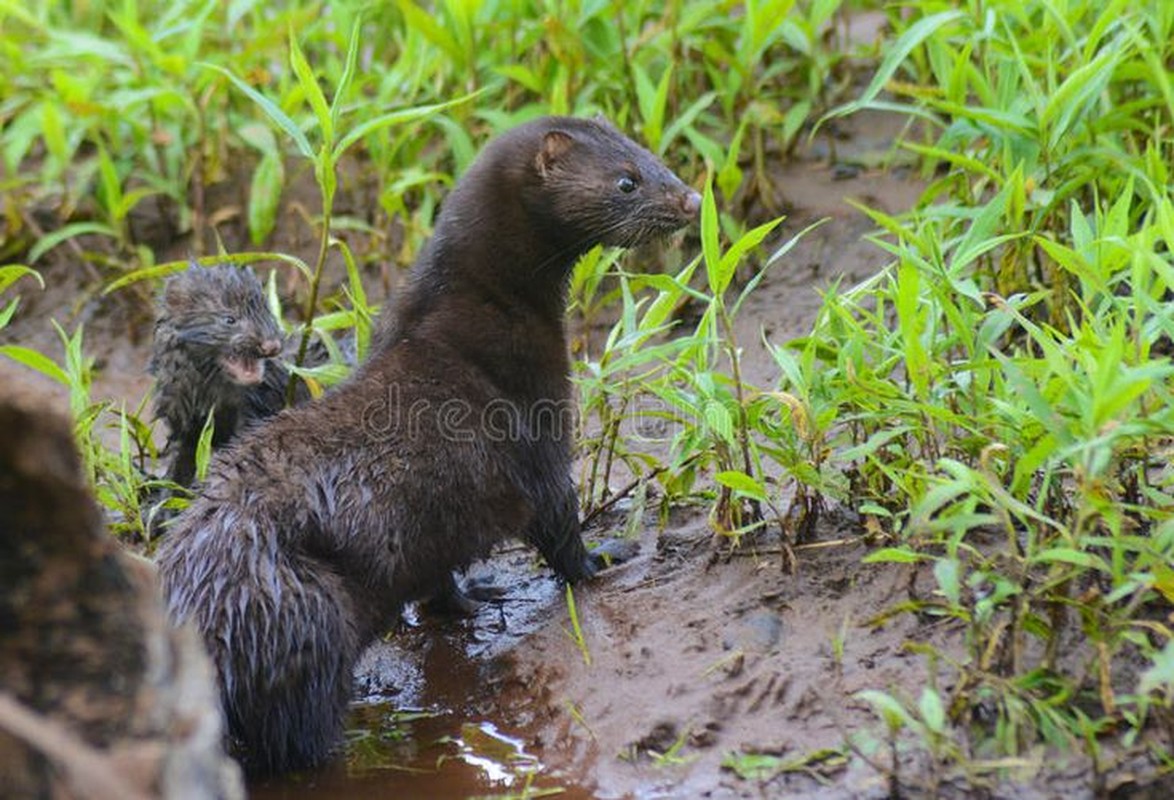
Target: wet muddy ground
pixel 690 654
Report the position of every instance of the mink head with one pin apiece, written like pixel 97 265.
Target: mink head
pixel 219 312
pixel 600 187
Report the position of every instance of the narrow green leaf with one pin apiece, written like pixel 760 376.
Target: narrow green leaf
pixel 358 298
pixel 719 420
pixel 1071 261
pixel 730 174
pixel 257 134
pixel 958 159
pixel 895 56
pixel 273 301
pixel 309 83
pixel 980 237
pixel 53 132
pixel 1160 675
pixel 171 267
pixel 204 445
pixel 18 10
pixel 522 75
pixel 779 252
pixel 874 442
pixel 401 116
pixel 894 555
pixel 947 573
pixel 51 240
pixel 8 312
pixel 753 766
pixel 710 245
pixel 933 713
pixel 1070 102
pixel 1068 555
pixel 423 22
pixel 11 273
pixel 279 117
pixel 576 627
pixel 265 197
pixel 659 105
pixel 326 374
pixel 910 318
pixel 645 100
pixel 130 200
pixel 684 120
pixel 746 242
pixel 669 291
pixel 110 185
pixel 887 708
pixel 35 360
pixel 348 72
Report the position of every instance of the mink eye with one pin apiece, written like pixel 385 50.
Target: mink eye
pixel 229 319
pixel 627 184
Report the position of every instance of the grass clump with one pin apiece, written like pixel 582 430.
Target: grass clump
pixel 1003 389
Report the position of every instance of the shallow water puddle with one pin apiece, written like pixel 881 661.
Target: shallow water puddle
pixel 435 720
pixel 424 754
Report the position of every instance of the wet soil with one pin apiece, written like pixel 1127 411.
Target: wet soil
pixel 689 655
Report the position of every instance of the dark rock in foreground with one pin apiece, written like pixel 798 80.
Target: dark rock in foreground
pixel 99 698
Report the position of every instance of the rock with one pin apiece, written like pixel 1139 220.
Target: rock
pixel 99 697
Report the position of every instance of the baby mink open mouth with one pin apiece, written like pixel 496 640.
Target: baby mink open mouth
pixel 243 370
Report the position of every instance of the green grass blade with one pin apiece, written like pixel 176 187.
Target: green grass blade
pixel 35 360
pixel 279 117
pixel 401 116
pixel 348 72
pixel 51 240
pixel 11 273
pixel 710 244
pixel 896 54
pixel 309 83
pixel 171 267
pixel 430 29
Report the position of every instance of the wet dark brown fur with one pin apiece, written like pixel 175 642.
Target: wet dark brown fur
pixel 215 350
pixel 312 531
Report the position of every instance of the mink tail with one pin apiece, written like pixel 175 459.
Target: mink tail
pixel 280 628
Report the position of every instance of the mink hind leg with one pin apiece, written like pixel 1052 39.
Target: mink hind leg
pixel 453 598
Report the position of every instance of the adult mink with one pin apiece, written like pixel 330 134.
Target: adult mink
pixel 313 530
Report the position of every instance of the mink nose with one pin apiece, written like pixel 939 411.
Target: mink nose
pixel 270 348
pixel 691 204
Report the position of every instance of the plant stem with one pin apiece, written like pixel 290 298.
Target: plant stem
pixel 315 283
pixel 731 345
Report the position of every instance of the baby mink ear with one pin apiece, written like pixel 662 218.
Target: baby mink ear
pixel 173 294
pixel 554 144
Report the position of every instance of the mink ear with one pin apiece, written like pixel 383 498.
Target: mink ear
pixel 554 144
pixel 173 294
